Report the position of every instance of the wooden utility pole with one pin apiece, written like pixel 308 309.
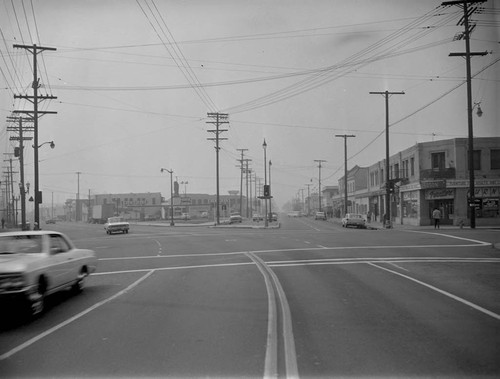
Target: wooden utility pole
pixel 21 129
pixel 345 136
pixel 466 36
pixel 388 218
pixel 217 119
pixel 241 179
pixel 319 190
pixel 35 113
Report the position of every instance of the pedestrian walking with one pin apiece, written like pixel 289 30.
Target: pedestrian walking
pixel 436 215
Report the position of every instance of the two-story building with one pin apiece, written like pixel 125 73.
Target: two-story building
pixel 430 175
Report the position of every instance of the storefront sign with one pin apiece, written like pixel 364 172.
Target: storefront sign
pixel 436 194
pixel 464 183
pixel 411 195
pixel 432 184
pixel 485 192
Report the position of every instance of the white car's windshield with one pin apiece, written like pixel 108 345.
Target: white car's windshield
pixel 22 244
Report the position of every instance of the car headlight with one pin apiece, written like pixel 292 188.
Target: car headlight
pixel 11 283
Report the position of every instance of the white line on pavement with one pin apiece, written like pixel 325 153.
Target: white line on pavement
pixel 70 320
pixel 459 299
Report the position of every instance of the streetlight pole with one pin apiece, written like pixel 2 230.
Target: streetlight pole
pixel 171 196
pixel 264 145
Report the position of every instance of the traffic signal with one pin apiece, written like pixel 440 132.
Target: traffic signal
pixel 391 187
pixel 267 190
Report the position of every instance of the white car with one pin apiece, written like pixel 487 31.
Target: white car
pixel 354 219
pixel 35 264
pixel 116 224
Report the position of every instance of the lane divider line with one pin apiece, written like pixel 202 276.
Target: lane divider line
pixel 70 320
pixel 288 339
pixel 450 295
pixel 271 360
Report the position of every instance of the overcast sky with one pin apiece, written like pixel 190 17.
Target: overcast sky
pixel 135 80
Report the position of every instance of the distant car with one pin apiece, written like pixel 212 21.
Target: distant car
pixel 257 217
pixel 320 216
pixel 50 221
pixel 353 219
pixel 186 216
pixel 35 264
pixel 116 224
pixel 274 217
pixel 234 219
pixel 295 214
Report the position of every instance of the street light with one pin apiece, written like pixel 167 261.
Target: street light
pixel 52 144
pixel 264 146
pixel 38 194
pixel 171 196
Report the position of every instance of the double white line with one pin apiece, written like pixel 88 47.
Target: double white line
pixel 275 292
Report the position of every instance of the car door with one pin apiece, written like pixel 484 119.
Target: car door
pixel 62 257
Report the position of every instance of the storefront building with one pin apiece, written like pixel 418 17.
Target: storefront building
pixel 433 175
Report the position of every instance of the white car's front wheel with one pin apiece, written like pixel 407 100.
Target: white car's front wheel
pixel 36 300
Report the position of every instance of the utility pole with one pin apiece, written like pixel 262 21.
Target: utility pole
pixel 217 119
pixel 308 198
pixel 35 113
pixel 78 205
pixel 319 191
pixel 247 171
pixel 21 138
pixel 345 136
pixel 466 35
pixel 241 179
pixel 388 218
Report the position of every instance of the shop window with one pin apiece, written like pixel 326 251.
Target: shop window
pixel 495 159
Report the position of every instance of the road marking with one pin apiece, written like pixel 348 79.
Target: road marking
pixel 320 247
pixel 454 297
pixel 74 318
pixel 159 247
pixel 456 237
pixel 271 364
pixel 397 266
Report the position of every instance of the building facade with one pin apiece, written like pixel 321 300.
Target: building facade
pixel 432 175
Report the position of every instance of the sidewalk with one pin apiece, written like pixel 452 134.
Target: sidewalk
pixel 375 225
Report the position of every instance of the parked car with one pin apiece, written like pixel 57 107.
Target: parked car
pixel 186 216
pixel 233 219
pixel 116 224
pixel 35 264
pixel 274 217
pixel 320 216
pixel 50 221
pixel 353 219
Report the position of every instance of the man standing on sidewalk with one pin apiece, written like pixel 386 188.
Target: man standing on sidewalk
pixel 436 215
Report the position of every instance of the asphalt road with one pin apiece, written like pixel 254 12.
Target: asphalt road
pixel 309 299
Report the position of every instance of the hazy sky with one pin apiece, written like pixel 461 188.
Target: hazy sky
pixel 134 81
